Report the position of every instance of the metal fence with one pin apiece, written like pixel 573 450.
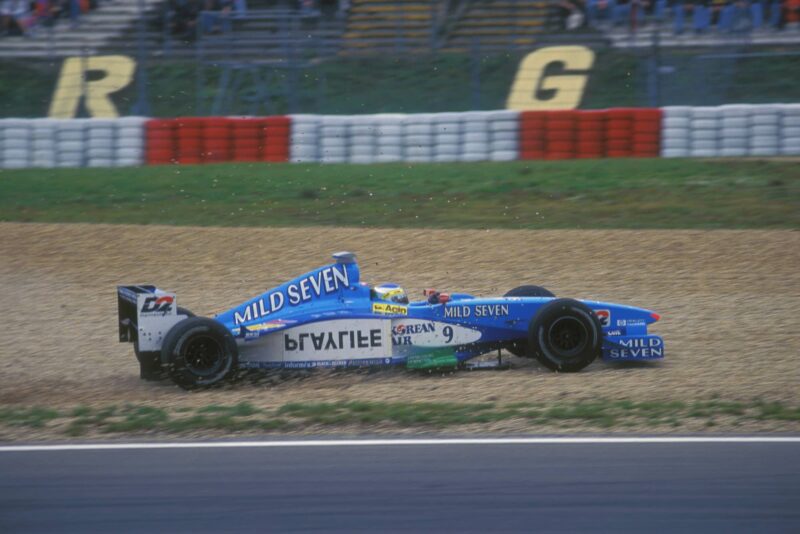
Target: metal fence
pixel 267 63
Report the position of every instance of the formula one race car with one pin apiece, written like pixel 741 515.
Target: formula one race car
pixel 329 318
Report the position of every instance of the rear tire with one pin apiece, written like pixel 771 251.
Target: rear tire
pixel 565 335
pixel 519 347
pixel 200 352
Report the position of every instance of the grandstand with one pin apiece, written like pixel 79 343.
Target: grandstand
pixel 272 31
pixel 392 25
pixel 133 27
pixel 498 25
pixel 89 34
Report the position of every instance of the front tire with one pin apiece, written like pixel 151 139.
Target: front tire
pixel 200 352
pixel 565 335
pixel 519 347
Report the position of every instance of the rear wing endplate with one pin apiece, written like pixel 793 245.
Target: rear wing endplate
pixel 139 305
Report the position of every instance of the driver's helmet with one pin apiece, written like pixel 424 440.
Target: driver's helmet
pixel 389 293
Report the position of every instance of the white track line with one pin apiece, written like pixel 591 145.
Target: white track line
pixel 394 442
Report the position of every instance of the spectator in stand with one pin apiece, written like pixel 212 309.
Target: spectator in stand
pixel 621 12
pixel 216 16
pixel 6 8
pixel 639 10
pixel 183 18
pixel 46 12
pixel 629 12
pixel 701 15
pixel 734 17
pixel 17 17
pixel 597 10
pixel 716 8
pixel 240 8
pixel 790 14
pixel 570 14
pixel 757 13
pixel 775 12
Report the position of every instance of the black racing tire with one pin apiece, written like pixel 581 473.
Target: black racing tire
pixel 529 291
pixel 150 362
pixel 565 335
pixel 199 352
pixel 519 347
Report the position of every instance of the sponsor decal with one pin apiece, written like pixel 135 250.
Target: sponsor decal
pixel 269 325
pixel 333 340
pixel 477 310
pixel 638 348
pixel 420 333
pixel 360 362
pixel 255 330
pixel 157 306
pixel 111 74
pixel 339 339
pixel 631 322
pixel 389 309
pixel 418 328
pixel 402 333
pixel 315 285
pixel 552 77
pixel 604 316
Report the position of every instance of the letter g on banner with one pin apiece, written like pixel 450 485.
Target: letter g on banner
pixel 72 85
pixel 567 89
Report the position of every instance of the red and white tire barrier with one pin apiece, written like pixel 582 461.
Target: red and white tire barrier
pixel 675 131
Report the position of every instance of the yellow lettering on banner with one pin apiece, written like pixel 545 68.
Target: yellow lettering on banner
pixel 72 83
pixel 568 88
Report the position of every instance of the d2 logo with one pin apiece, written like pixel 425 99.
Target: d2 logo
pixel 604 316
pixel 157 305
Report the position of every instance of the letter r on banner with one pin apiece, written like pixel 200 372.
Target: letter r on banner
pixel 568 88
pixel 72 85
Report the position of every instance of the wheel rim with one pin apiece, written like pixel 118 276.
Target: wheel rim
pixel 568 336
pixel 203 355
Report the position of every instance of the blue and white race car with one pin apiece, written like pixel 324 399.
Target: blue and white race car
pixel 329 318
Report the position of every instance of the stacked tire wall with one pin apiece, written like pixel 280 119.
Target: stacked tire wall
pixel 48 143
pixel 422 137
pixel 731 131
pixel 194 140
pixel 725 131
pixel 611 133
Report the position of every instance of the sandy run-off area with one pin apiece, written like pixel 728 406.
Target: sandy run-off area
pixel 729 300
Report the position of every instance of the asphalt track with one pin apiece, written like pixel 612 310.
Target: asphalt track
pixel 489 487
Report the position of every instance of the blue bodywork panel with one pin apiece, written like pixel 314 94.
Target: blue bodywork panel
pixel 329 318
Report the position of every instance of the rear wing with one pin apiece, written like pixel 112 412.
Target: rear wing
pixel 145 313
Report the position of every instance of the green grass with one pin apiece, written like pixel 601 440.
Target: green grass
pixel 423 416
pixel 614 193
pixel 33 417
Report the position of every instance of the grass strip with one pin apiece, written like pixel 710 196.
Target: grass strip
pixel 368 415
pixel 613 193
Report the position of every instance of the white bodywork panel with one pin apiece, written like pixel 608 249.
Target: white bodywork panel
pixel 156 313
pixel 426 333
pixel 333 340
